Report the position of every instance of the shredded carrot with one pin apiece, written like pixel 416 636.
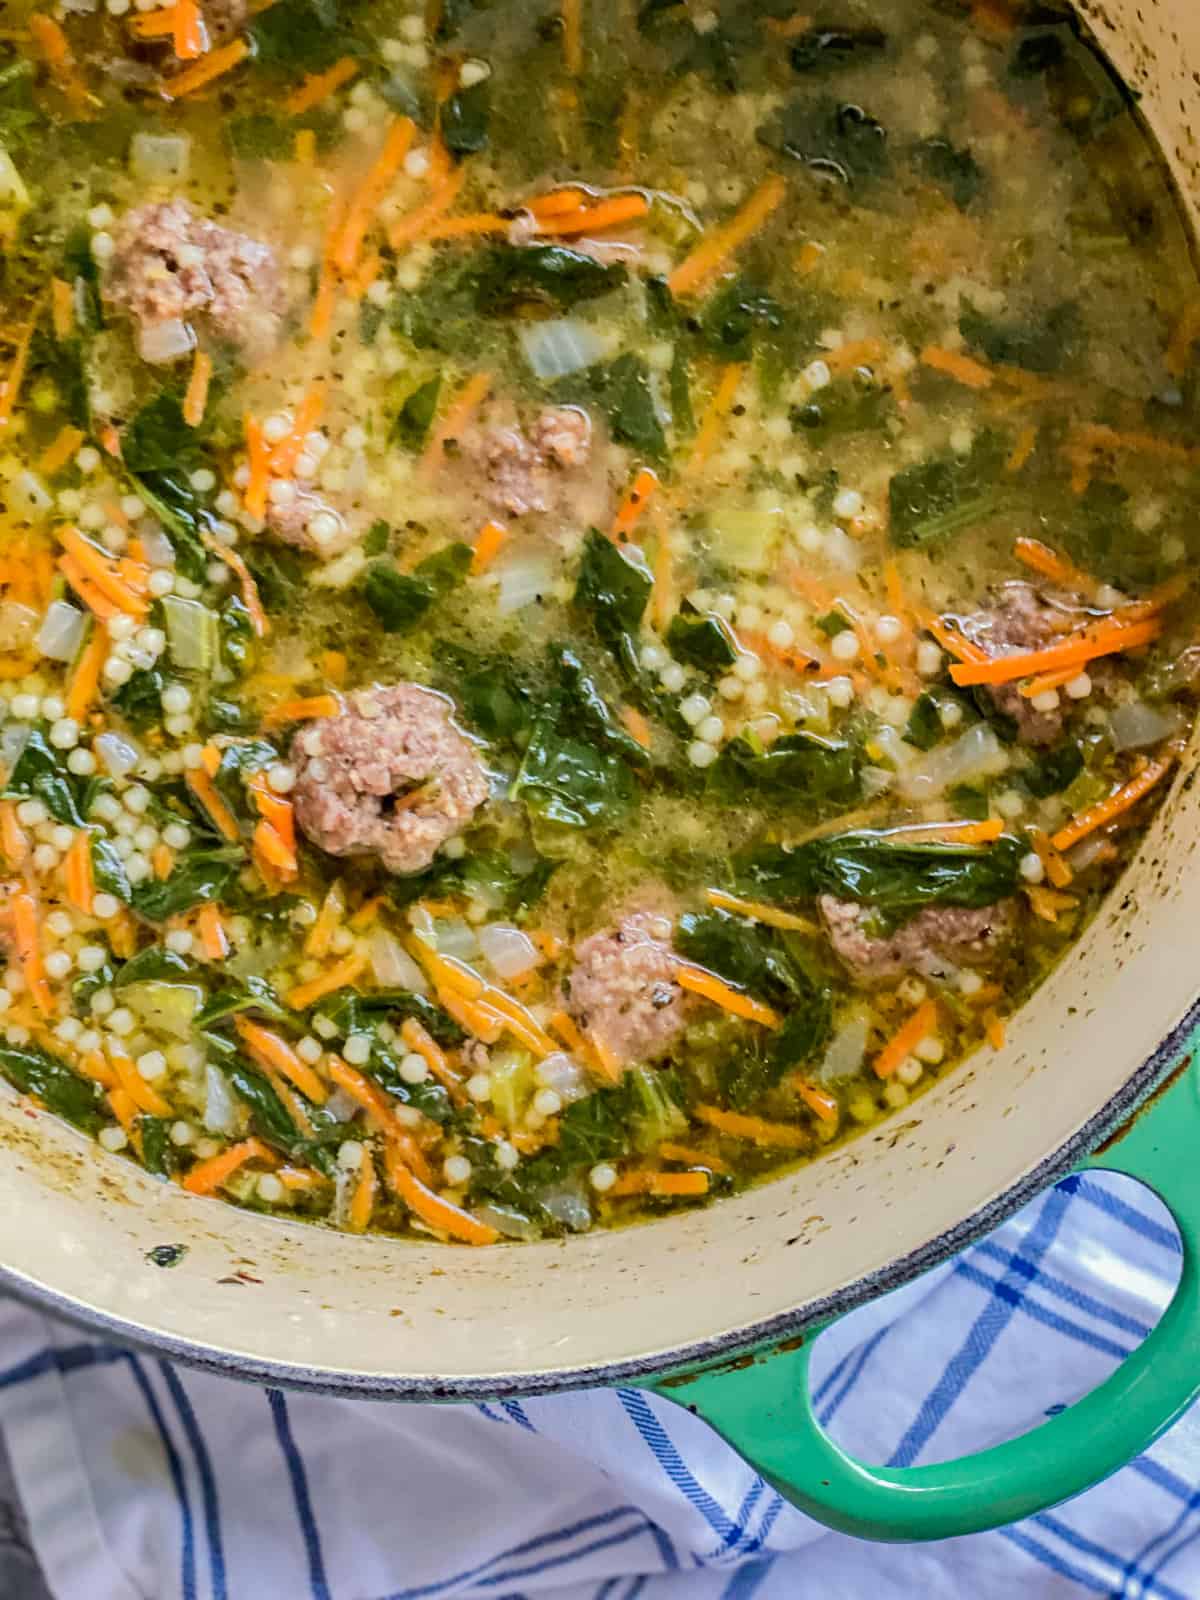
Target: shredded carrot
pixel 144 1095
pixel 93 1065
pixel 1048 904
pixel 268 1047
pixel 213 939
pixel 1076 650
pixel 809 258
pixel 567 1029
pixel 1046 681
pixel 906 1039
pixel 27 936
pixel 57 454
pixel 259 461
pixel 819 1101
pixel 436 1212
pixel 195 398
pixel 340 976
pixel 1048 563
pixel 788 27
pixel 56 53
pixel 558 203
pixel 365 201
pixel 696 981
pixel 493 536
pixel 362 1091
pixel 1105 811
pixel 595 219
pixel 123 1109
pixel 95 565
pixel 319 86
pixel 468 400
pixel 334 665
pixel 1056 869
pixel 206 792
pixel 329 919
pixel 445 971
pixel 710 427
pixel 422 1042
pixel 415 223
pixel 205 71
pixel 629 513
pixel 711 254
pixel 691 1157
pixel 367 913
pixel 162 859
pixel 476 1019
pixel 1026 444
pixel 273 856
pixel 636 725
pixel 740 1125
pixel 771 916
pixel 572 32
pixel 62 308
pixel 10 387
pixel 154 24
pixel 282 457
pixel 994 1028
pixel 210 759
pixel 208 1175
pixel 274 809
pixel 953 642
pixel 959 367
pixel 307 709
pixel 363 1202
pixel 251 598
pixel 80 875
pixel 603 1057
pixel 13 841
pixel 1096 438
pixel 190 38
pixel 661 1184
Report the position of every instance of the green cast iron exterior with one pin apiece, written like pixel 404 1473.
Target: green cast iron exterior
pixel 764 1409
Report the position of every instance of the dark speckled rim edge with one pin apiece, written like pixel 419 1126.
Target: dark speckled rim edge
pixel 705 1352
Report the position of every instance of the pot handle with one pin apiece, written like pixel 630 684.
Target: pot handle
pixel 764 1408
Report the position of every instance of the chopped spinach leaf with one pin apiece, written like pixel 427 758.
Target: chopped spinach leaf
pixel 1042 345
pixel 837 142
pixel 829 50
pixel 34 1071
pixel 613 587
pixel 201 877
pixel 512 277
pixel 706 643
pixel 622 391
pixel 41 774
pixel 937 497
pixel 416 414
pixel 1053 771
pixel 399 600
pixel 924 728
pixel 798 768
pixel 952 168
pixel 464 122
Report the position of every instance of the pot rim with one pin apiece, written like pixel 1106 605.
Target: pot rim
pixel 794 1324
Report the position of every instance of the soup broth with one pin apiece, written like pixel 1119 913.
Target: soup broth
pixel 589 596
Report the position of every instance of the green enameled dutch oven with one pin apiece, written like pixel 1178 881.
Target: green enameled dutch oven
pixel 716 1309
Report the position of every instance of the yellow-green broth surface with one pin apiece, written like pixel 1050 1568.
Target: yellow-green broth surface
pixel 588 598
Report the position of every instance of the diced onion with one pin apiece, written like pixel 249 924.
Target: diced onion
pixel 160 552
pixel 1136 726
pixel 119 755
pixel 29 497
pixel 61 632
pixel 220 1108
pixel 845 1052
pixel 507 950
pixel 558 347
pixel 14 736
pixel 394 968
pixel 456 938
pixel 975 754
pixel 18 625
pixel 341 1106
pixel 511 1223
pixel 564 1075
pixel 165 341
pixel 567 1204
pixel 524 578
pixel 160 157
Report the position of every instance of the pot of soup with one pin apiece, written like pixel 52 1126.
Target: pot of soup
pixel 598 646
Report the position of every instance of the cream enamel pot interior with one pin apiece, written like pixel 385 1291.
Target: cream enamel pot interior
pixel 300 1305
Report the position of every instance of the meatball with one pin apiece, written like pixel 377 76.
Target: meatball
pixel 623 988
pixel 1021 620
pixel 931 943
pixel 389 776
pixel 306 520
pixel 172 265
pixel 561 469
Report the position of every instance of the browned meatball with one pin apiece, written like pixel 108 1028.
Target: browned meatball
pixel 1021 619
pixel 170 264
pixel 389 776
pixel 623 990
pixel 558 468
pixel 932 943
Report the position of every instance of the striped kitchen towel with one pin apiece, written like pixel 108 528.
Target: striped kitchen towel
pixel 144 1481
